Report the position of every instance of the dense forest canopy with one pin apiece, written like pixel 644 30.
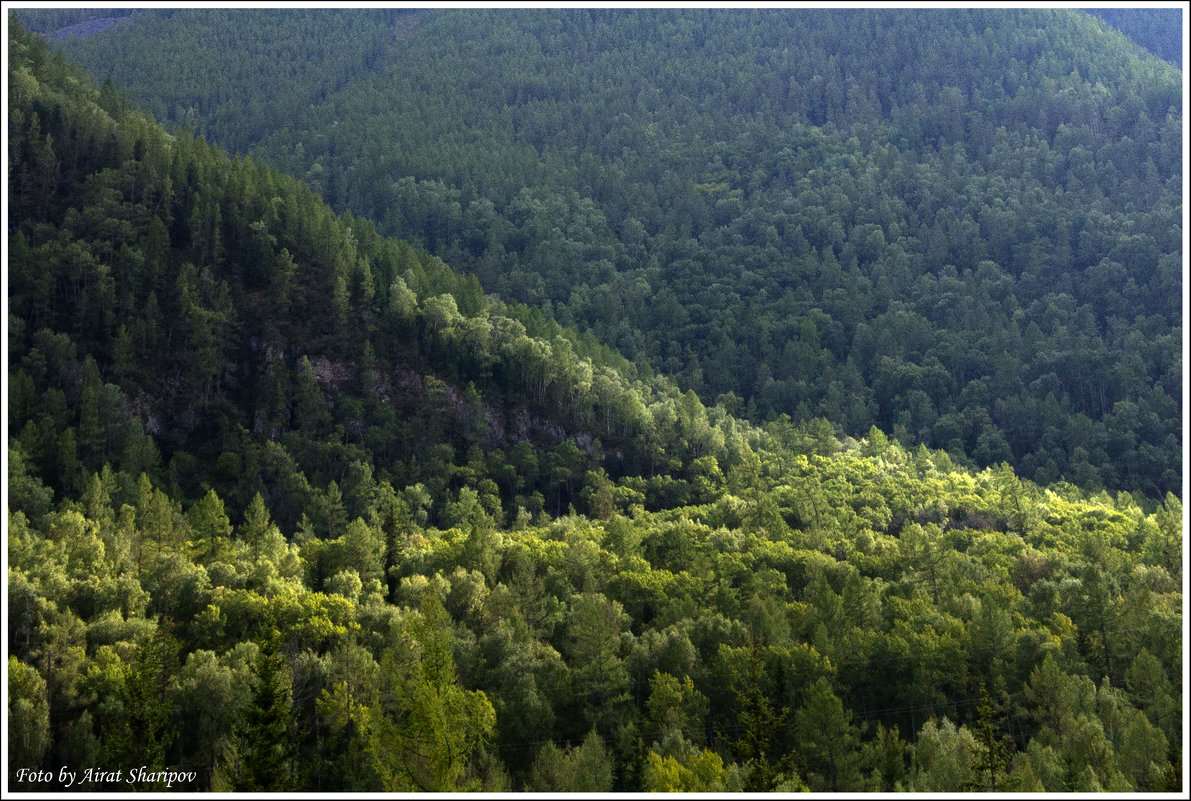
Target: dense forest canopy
pixel 297 506
pixel 59 22
pixel 962 226
pixel 1159 30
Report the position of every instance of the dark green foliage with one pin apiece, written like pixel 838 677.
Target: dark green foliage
pixel 992 752
pixel 828 741
pixel 758 724
pixel 297 507
pixel 143 734
pixel 263 753
pixel 1155 29
pixel 961 226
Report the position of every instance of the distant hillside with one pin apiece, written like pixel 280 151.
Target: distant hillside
pixel 961 226
pixel 65 23
pixel 1159 30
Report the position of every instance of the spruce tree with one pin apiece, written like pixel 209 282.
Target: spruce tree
pixel 261 754
pixel 991 751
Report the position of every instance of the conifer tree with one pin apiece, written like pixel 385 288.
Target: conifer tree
pixel 992 752
pixel 143 734
pixel 260 754
pixel 758 725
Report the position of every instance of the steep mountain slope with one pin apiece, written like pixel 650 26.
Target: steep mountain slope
pixel 962 226
pixel 225 298
pixel 290 509
pixel 1159 30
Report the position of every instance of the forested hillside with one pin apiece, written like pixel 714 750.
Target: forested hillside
pixel 295 506
pixel 58 22
pixel 962 226
pixel 1159 30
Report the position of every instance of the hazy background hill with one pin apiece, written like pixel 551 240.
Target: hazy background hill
pixel 1159 30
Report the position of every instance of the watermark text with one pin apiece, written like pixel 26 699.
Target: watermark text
pixel 142 775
